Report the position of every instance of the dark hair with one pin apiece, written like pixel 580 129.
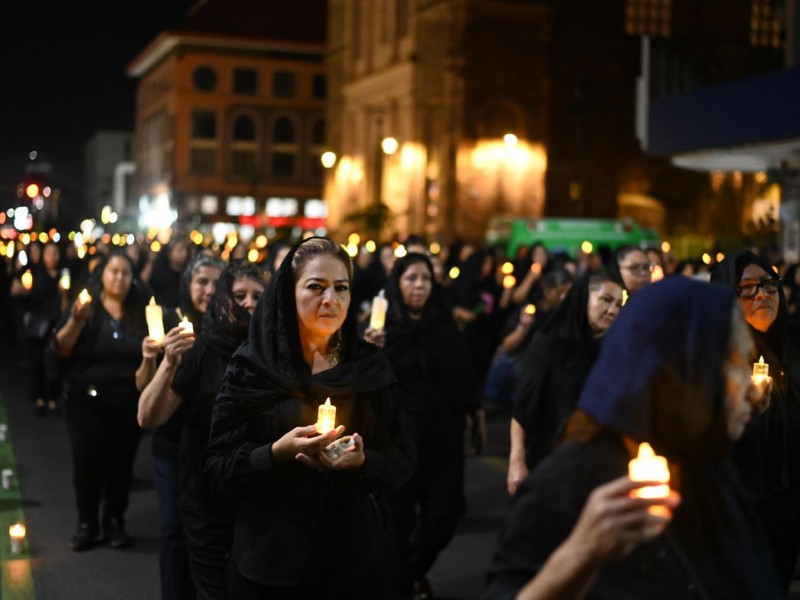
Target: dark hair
pixel 135 300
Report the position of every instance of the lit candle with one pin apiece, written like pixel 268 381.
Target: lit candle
pixel 760 371
pixel 530 309
pixel 155 321
pixel 536 268
pixel 27 280
pixel 84 297
pixel 647 466
pixel 657 274
pixel 326 417
pixel 377 317
pixel 66 280
pixel 7 474
pixel 186 326
pixel 624 297
pixel 17 534
pixel 509 281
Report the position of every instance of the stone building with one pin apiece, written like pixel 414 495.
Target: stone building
pixel 450 112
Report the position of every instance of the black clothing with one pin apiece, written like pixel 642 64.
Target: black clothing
pixel 547 506
pixel 295 525
pixel 436 386
pixel 658 378
pixel 768 455
pixel 165 282
pixel 101 407
pixel 552 372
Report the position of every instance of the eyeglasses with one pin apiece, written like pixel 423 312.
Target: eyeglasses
pixel 750 290
pixel 641 269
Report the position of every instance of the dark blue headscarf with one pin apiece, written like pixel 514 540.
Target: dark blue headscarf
pixel 659 374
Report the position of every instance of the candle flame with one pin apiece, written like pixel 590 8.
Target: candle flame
pixel 624 297
pixel 761 360
pixel 17 530
pixel 327 401
pixel 152 301
pixel 646 450
pixel 530 309
pixel 84 296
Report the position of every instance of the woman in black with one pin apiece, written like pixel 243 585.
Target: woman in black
pixel 43 302
pixel 768 456
pixel 100 342
pixel 673 371
pixel 206 518
pixel 423 345
pixel 307 524
pixel 554 367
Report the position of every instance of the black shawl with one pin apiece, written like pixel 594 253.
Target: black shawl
pixel 552 371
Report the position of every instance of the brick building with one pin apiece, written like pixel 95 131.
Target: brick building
pixel 230 117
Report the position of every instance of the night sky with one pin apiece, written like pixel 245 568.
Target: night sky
pixel 62 68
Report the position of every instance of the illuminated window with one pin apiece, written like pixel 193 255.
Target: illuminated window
pixel 281 207
pixel 240 205
pixel 765 24
pixel 209 205
pixel 648 17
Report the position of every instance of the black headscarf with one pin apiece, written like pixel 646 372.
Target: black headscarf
pixel 428 350
pixel 269 367
pixel 187 307
pixel 225 323
pixel 570 320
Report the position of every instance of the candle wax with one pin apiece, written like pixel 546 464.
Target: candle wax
pixel 647 466
pixel 155 321
pixel 760 371
pixel 326 417
pixel 186 326
pixel 377 317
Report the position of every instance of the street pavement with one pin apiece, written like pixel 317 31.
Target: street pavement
pixel 43 481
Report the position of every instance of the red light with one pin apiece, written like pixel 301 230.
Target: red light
pixel 31 190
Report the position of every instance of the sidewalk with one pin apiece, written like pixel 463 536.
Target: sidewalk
pixel 44 480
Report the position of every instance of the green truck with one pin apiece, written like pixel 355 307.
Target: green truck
pixel 567 234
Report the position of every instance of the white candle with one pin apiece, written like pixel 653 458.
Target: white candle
pixel 66 279
pixel 155 321
pixel 16 533
pixel 186 326
pixel 326 417
pixel 377 318
pixel 647 466
pixel 760 371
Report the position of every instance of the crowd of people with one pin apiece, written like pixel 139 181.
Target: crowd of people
pixel 588 356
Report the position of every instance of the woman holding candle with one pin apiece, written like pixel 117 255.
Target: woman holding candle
pixel 768 456
pixel 423 345
pixel 307 524
pixel 554 368
pixel 674 372
pixel 100 341
pixel 197 285
pixel 191 389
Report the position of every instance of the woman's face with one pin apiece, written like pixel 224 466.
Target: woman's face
pixel 603 306
pixel 553 296
pixel 416 286
pixel 246 292
pixel 635 269
pixel 117 277
pixel 202 287
pixel 178 256
pixel 322 296
pixel 761 308
pixel 737 371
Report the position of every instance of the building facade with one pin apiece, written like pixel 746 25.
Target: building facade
pixel 230 118
pixel 517 107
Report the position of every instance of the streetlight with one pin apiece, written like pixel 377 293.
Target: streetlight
pixel 389 145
